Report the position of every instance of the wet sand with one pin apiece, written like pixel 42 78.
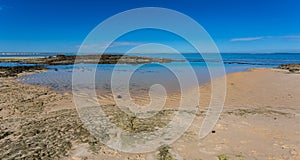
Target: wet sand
pixel 260 120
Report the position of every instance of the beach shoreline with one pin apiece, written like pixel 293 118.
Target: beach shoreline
pixel 260 120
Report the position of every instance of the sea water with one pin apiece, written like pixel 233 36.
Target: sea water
pixel 145 75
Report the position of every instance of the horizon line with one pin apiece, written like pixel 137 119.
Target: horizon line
pixel 52 52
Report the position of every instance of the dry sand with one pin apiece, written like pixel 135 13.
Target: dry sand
pixel 260 120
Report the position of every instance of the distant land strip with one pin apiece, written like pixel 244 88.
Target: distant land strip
pixel 89 59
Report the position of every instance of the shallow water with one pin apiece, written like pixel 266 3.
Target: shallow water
pixel 59 78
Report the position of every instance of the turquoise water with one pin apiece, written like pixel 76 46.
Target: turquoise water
pixel 60 77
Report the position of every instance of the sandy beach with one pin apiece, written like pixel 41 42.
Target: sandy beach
pixel 149 80
pixel 260 120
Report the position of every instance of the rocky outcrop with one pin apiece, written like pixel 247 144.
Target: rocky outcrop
pixel 292 68
pixel 90 59
pixel 14 71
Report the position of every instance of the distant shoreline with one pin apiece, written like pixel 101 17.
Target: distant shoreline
pixel 87 59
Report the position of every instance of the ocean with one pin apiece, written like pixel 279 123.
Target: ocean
pixel 59 78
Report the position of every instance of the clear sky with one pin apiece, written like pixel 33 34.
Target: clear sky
pixel 235 25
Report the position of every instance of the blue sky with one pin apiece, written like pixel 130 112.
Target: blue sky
pixel 235 25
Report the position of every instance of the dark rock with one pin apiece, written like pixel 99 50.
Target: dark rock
pixel 292 68
pixel 14 71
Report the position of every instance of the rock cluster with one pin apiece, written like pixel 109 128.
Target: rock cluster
pixel 292 68
pixel 14 71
